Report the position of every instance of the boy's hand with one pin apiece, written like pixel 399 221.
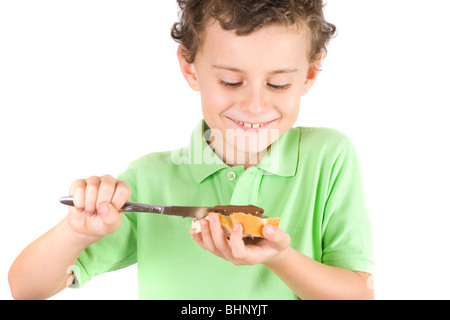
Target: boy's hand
pixel 97 201
pixel 213 239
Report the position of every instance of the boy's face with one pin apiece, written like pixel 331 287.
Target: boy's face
pixel 251 85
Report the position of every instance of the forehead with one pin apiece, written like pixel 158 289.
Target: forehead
pixel 268 47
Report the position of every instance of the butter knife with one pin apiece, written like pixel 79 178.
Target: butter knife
pixel 182 211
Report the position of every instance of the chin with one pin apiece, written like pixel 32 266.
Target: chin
pixel 251 141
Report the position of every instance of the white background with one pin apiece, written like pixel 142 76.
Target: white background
pixel 88 86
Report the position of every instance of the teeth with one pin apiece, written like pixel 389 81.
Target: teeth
pixel 251 125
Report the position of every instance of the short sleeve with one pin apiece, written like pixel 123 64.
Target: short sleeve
pixel 115 251
pixel 346 230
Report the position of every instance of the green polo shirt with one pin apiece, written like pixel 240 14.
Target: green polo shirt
pixel 310 178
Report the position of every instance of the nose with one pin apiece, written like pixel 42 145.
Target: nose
pixel 253 101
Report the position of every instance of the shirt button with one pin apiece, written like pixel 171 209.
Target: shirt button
pixel 231 176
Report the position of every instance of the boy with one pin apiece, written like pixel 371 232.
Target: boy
pixel 251 61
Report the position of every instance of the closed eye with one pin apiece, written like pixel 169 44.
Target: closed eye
pixel 232 85
pixel 235 85
pixel 279 87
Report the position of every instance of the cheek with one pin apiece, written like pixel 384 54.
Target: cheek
pixel 289 105
pixel 215 101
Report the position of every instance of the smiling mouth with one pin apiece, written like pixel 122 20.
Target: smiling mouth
pixel 249 125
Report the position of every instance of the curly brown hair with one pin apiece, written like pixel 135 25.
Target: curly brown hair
pixel 246 16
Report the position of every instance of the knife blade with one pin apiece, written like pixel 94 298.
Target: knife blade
pixel 182 211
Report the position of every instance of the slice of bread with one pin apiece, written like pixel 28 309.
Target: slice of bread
pixel 252 224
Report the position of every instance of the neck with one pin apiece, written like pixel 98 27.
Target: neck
pixel 235 157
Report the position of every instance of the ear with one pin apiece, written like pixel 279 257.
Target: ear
pixel 311 75
pixel 188 70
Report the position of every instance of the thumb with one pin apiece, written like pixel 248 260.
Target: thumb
pixel 278 237
pixel 108 214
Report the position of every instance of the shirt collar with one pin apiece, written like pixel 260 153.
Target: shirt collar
pixel 202 159
pixel 281 159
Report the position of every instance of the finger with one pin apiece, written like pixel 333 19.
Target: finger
pixel 280 239
pixel 197 237
pixel 111 218
pixel 218 236
pixel 77 190
pixel 207 239
pixel 121 194
pixel 106 190
pixel 237 245
pixel 92 188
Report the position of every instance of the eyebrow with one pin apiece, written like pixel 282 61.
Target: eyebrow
pixel 233 69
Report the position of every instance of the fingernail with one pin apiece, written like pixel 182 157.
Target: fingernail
pixel 270 230
pixel 103 209
pixel 236 227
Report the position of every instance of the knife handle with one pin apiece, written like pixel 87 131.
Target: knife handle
pixel 129 206
pixel 67 201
